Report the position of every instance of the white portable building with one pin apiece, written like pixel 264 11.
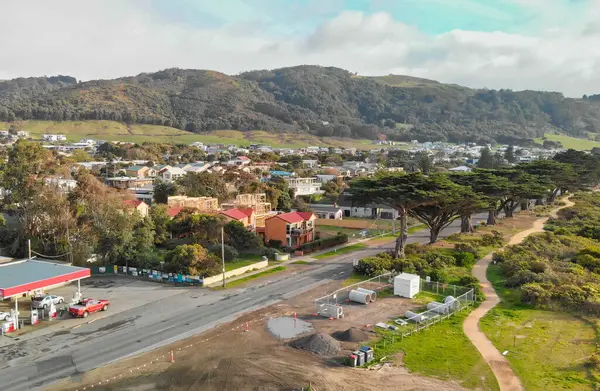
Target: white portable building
pixel 407 285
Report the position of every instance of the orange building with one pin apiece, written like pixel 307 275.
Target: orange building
pixel 245 216
pixel 292 229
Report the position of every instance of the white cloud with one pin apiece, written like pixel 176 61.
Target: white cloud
pixel 114 38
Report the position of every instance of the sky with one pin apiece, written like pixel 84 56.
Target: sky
pixel 551 45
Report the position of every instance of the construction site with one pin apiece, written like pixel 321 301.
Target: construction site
pixel 257 202
pixel 289 346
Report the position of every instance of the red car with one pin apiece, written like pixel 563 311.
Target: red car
pixel 87 306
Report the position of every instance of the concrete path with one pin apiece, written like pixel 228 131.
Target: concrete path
pixel 500 366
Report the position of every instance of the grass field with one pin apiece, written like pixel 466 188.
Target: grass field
pixel 341 251
pixel 251 277
pixel 547 349
pixel 116 131
pixel 442 351
pixel 568 142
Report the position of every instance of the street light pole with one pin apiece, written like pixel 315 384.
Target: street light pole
pixel 223 253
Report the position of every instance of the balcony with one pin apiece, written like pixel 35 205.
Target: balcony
pixel 300 232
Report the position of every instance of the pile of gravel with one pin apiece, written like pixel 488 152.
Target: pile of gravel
pixel 351 335
pixel 320 343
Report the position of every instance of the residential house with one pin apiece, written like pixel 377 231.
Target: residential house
pixel 140 206
pixel 310 163
pixel 239 161
pixel 205 204
pixel 324 178
pixel 140 172
pixel 283 174
pixel 127 182
pixel 54 137
pixel 354 208
pixel 144 193
pixel 259 166
pixel 22 134
pixel 173 211
pixel 330 212
pixel 304 186
pixel 170 174
pixel 4 133
pixel 292 229
pixel 245 216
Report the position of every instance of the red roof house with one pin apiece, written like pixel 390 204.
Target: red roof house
pixel 291 229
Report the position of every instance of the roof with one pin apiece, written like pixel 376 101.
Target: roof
pixel 174 211
pixel 23 276
pixel 133 203
pixel 295 217
pixel 461 168
pixel 235 214
pixel 135 168
pixel 243 158
pixel 247 211
pixel 324 208
pixel 280 173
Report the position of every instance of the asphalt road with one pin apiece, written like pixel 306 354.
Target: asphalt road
pixel 38 362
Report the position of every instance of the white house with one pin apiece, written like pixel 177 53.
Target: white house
pixel 65 185
pixel 330 212
pixel 310 163
pixel 54 137
pixel 4 133
pixel 22 134
pixel 304 186
pixel 170 174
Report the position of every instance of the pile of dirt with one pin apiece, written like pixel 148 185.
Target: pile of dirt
pixel 351 335
pixel 320 343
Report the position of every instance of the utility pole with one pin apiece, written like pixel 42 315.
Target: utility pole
pixel 29 247
pixel 223 252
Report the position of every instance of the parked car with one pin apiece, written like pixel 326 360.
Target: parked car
pixel 44 301
pixel 87 306
pixel 4 316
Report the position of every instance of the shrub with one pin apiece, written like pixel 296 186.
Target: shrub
pixel 436 274
pixel 274 243
pixel 269 253
pixel 522 277
pixel 464 259
pixel 373 266
pixel 473 283
pixel 493 239
pixel 439 260
pixel 534 293
pixel 414 248
pixel 315 245
pixel 230 252
pixel 465 248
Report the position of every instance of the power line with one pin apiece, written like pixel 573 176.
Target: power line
pixel 50 256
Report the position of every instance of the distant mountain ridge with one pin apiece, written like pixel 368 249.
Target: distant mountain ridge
pixel 324 101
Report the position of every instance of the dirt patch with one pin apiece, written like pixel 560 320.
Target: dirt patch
pixel 320 343
pixel 353 334
pixel 286 327
pixel 229 358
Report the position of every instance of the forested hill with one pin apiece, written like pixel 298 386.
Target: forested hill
pixel 321 100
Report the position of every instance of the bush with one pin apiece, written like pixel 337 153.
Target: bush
pixel 230 252
pixel 436 274
pixel 464 259
pixel 373 266
pixel 269 253
pixel 414 248
pixel 439 260
pixel 473 283
pixel 493 239
pixel 274 243
pixel 465 248
pixel 320 244
pixel 534 293
pixel 523 277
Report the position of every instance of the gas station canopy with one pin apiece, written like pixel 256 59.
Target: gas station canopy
pixel 17 278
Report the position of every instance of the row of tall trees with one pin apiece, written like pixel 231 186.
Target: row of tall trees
pixel 439 199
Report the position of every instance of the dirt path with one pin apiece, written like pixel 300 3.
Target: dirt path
pixel 498 363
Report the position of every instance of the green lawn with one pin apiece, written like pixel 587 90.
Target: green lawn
pixel 251 277
pixel 241 261
pixel 341 251
pixel 300 263
pixel 547 349
pixel 116 131
pixel 441 351
pixel 354 278
pixel 411 230
pixel 571 142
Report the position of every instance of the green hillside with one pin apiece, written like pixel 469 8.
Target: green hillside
pixel 116 131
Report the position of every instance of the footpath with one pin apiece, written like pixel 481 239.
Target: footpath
pixel 500 366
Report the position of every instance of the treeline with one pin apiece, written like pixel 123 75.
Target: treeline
pixel 324 101
pixel 438 199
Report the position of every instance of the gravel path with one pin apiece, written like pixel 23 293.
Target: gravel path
pixel 498 363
